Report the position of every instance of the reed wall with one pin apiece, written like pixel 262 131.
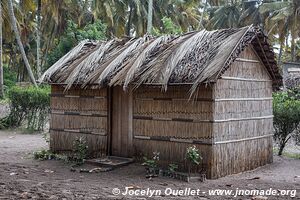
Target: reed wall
pixel 168 122
pixel 79 113
pixel 243 120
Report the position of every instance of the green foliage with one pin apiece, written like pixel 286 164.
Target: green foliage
pixel 44 155
pixel 151 164
pixel 49 155
pixel 9 78
pixel 193 155
pixel 294 92
pixel 286 110
pixel 46 138
pixel 80 150
pixel 168 28
pixel 29 105
pixel 172 168
pixel 73 35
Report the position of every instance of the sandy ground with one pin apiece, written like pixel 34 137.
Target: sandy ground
pixel 21 177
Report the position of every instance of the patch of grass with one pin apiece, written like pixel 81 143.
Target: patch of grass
pixel 28 131
pixel 291 155
pixel 49 155
pixel 287 154
pixel 4 101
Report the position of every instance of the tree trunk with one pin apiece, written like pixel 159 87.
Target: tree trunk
pixel 128 27
pixel 281 147
pixel 18 38
pixel 38 40
pixel 202 15
pixel 1 62
pixel 280 53
pixel 149 17
pixel 293 49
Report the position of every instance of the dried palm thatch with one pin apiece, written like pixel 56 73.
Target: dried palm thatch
pixel 192 58
pixel 292 81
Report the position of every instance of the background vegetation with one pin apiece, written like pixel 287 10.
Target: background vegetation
pixel 45 30
pixel 49 28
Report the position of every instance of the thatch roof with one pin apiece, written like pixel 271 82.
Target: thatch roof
pixel 292 81
pixel 192 58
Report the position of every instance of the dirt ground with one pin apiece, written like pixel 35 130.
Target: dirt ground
pixel 21 177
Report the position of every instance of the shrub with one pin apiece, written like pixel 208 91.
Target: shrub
pixel 29 105
pixel 286 109
pixel 152 164
pixel 192 156
pixel 80 150
pixel 9 76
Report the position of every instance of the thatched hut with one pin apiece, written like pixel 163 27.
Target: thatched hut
pixel 132 96
pixel 291 75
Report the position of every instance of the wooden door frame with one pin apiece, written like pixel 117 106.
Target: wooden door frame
pixel 109 120
pixel 128 127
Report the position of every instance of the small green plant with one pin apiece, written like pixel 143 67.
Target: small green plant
pixel 44 155
pixel 49 155
pixel 80 150
pixel 193 157
pixel 46 138
pixel 151 164
pixel 172 168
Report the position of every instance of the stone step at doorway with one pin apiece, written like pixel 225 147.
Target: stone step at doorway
pixel 110 161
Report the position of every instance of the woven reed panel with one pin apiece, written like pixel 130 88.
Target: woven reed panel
pixel 173 104
pixel 172 152
pixel 242 89
pixel 248 69
pixel 247 142
pixel 243 109
pixel 171 128
pixel 176 92
pixel 84 111
pixel 236 130
pixel 60 103
pixel 61 141
pixel 233 158
pixel 86 123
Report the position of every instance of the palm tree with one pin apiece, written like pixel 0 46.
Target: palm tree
pixel 250 13
pixel 18 38
pixel 149 16
pixel 224 15
pixel 38 38
pixel 1 62
pixel 283 18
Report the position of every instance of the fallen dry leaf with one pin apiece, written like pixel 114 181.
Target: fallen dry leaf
pixel 48 171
